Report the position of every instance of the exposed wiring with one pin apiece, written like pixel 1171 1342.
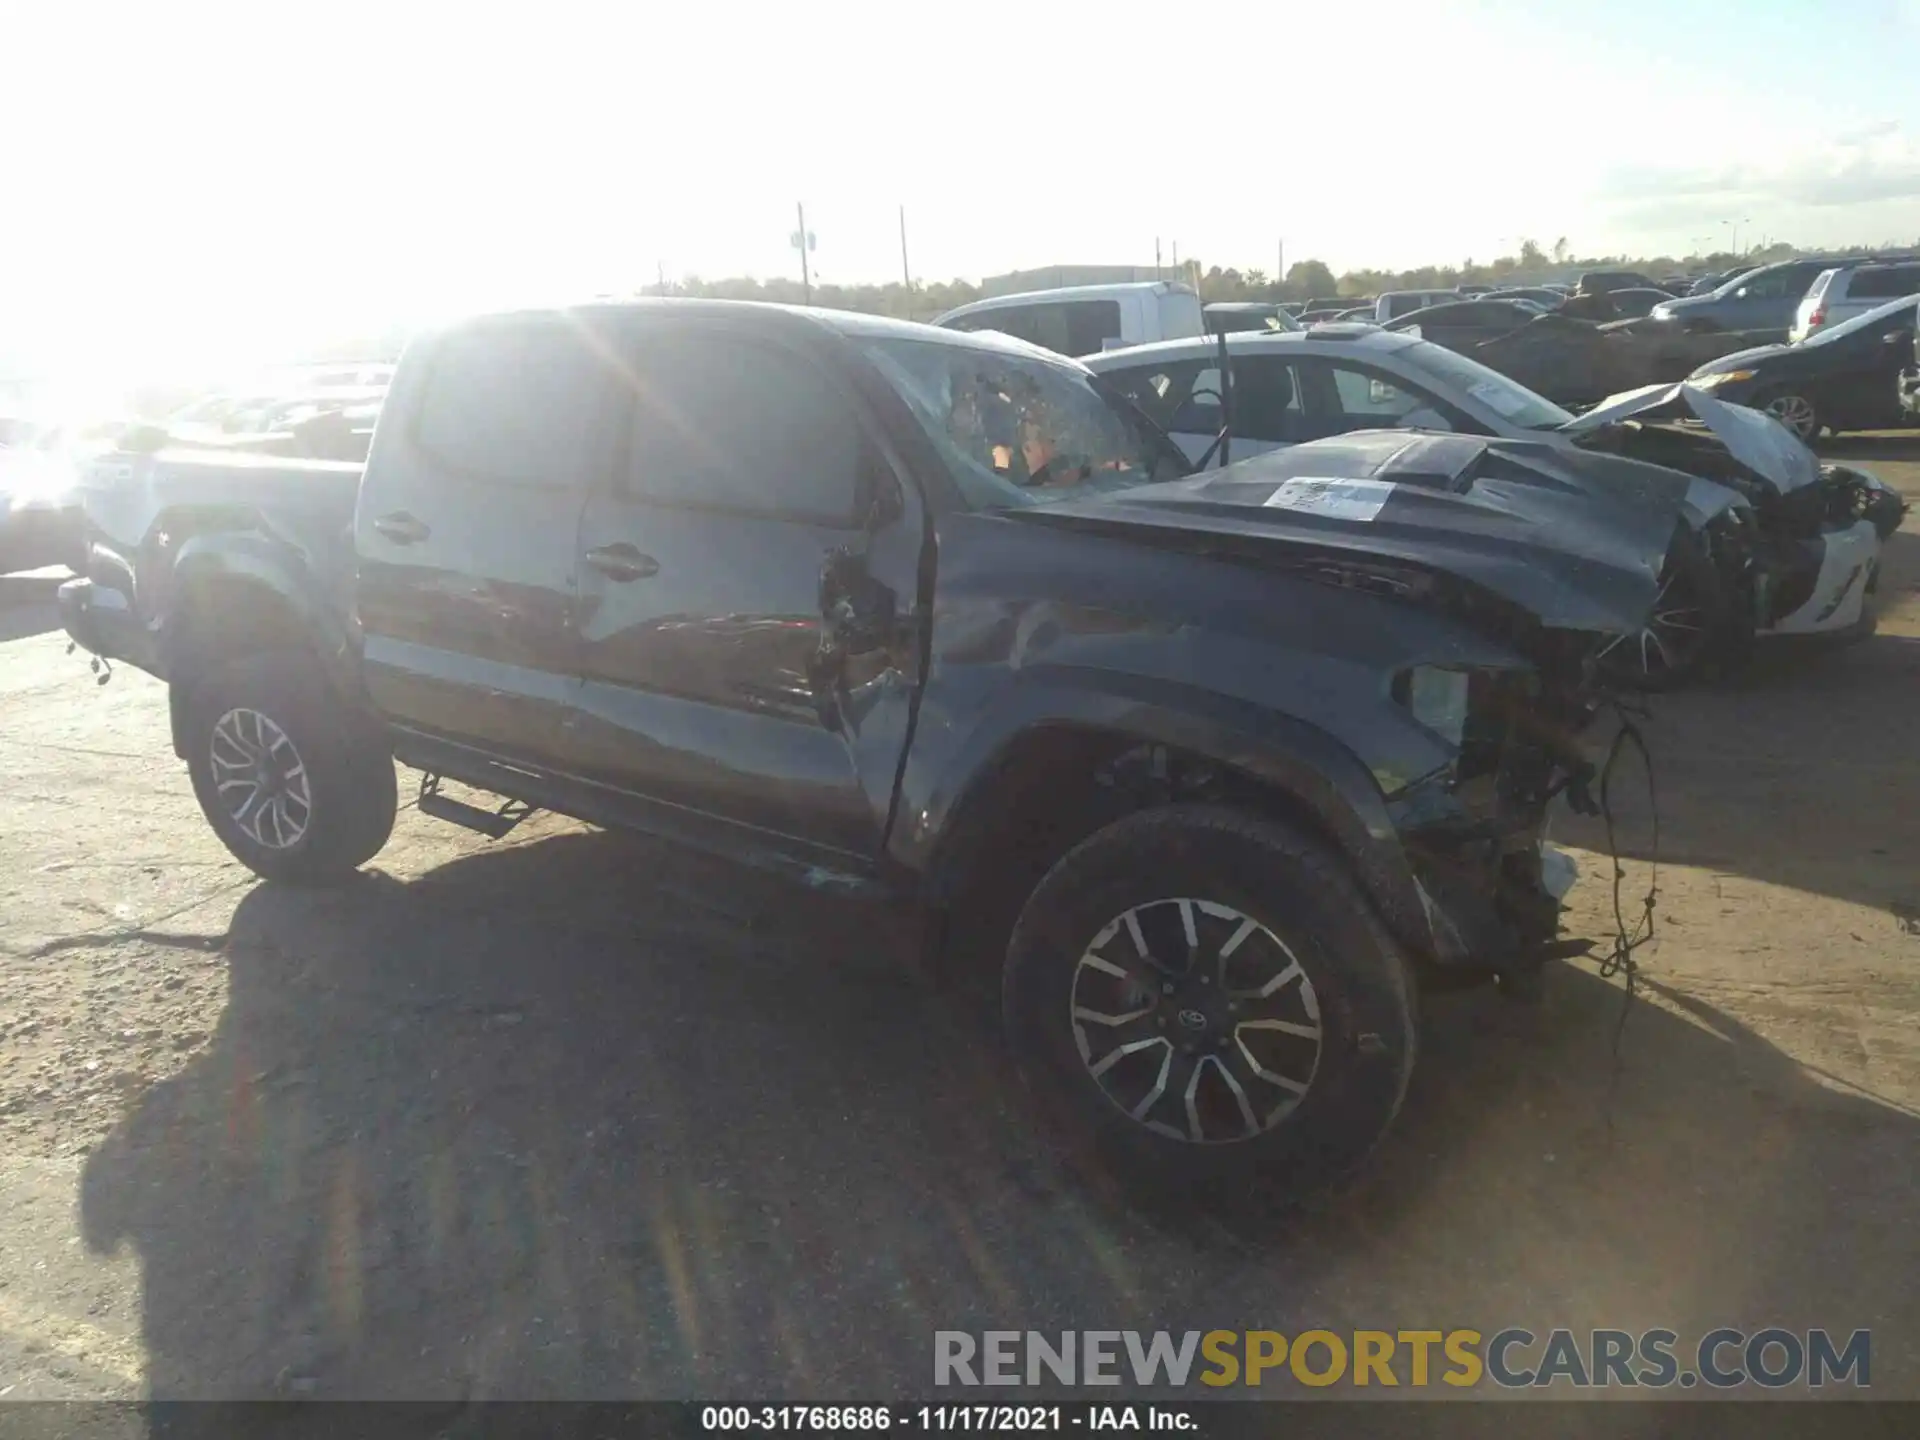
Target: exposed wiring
pixel 1620 960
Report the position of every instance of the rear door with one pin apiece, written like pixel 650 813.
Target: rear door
pixel 465 529
pixel 747 597
pixel 1337 397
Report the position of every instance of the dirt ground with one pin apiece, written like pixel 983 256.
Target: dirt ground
pixel 571 1115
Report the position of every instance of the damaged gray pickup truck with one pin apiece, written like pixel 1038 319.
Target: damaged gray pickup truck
pixel 1217 765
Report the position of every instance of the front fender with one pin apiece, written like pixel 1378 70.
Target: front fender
pixel 948 773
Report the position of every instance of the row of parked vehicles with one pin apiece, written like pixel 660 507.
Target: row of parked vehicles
pixel 1208 694
pixel 1577 345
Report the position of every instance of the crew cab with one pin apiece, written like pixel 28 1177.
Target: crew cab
pixel 1206 769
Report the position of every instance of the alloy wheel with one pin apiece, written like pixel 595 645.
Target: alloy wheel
pixel 1676 628
pixel 1796 413
pixel 260 779
pixel 1196 1020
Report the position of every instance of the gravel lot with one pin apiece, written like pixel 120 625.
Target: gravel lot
pixel 571 1115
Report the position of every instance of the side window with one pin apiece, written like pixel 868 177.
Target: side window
pixel 1346 398
pixel 1069 327
pixel 516 404
pixel 720 423
pixel 1179 397
pixel 1089 325
pixel 1266 400
pixel 1777 286
pixel 1884 282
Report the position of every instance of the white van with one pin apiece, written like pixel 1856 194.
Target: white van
pixel 1086 319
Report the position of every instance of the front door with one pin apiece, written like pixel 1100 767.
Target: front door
pixel 465 531
pixel 747 598
pixel 1860 389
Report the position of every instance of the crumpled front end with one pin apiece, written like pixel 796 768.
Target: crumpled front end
pixel 1474 829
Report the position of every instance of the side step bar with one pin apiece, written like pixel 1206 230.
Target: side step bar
pixel 491 823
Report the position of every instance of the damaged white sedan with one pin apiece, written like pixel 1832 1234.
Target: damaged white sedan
pixel 1775 542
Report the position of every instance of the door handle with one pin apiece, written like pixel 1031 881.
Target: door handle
pixel 621 561
pixel 402 528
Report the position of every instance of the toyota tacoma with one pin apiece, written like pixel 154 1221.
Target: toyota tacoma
pixel 1220 764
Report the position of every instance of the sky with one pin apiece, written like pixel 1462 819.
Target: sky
pixel 203 178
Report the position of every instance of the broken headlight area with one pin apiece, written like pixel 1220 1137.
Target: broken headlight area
pixel 1473 829
pixel 1859 495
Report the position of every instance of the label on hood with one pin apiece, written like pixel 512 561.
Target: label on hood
pixel 1334 498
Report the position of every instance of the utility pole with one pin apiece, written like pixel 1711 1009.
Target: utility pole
pixel 1156 257
pixel 803 242
pixel 662 267
pixel 1279 262
pixel 906 274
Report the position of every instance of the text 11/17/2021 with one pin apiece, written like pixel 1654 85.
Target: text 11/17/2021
pixel 994 1419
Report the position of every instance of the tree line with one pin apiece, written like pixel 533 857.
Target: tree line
pixel 1304 280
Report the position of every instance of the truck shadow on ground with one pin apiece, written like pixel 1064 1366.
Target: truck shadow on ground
pixel 565 1119
pixel 27 606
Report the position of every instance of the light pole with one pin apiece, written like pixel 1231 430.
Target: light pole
pixel 1734 227
pixel 802 240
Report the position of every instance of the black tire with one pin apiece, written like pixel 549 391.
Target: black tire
pixel 1671 653
pixel 351 792
pixel 1301 897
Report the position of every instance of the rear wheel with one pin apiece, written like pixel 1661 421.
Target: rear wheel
pixel 1199 998
pixel 1795 411
pixel 298 786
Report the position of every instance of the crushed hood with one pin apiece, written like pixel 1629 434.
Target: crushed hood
pixel 1575 540
pixel 1755 439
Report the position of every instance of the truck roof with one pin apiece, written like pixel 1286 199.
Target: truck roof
pixel 846 322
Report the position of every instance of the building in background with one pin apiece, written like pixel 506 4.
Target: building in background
pixel 1055 277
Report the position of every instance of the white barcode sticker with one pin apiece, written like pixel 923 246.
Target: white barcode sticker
pixel 1334 498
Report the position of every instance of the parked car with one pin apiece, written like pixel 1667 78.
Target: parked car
pixel 1709 283
pixel 1539 295
pixel 40 521
pixel 1467 323
pixel 1910 386
pixel 1848 290
pixel 891 609
pixel 1579 362
pixel 1395 303
pixel 1846 377
pixel 1761 301
pixel 1080 318
pixel 1785 533
pixel 1226 317
pixel 1632 304
pixel 1605 282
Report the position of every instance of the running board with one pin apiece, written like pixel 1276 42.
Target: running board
pixel 491 823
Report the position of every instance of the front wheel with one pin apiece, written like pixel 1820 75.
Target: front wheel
pixel 1689 613
pixel 296 785
pixel 1198 997
pixel 1795 411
